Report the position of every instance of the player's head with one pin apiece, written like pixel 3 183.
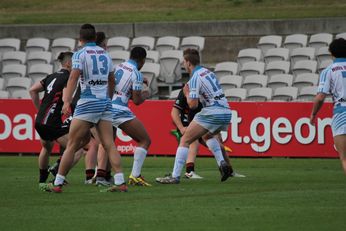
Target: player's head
pixel 101 39
pixel 191 59
pixel 65 58
pixel 338 48
pixel 138 54
pixel 87 33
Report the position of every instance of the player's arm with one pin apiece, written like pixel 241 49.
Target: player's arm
pixel 192 102
pixel 318 102
pixel 68 93
pixel 175 114
pixel 111 84
pixel 138 94
pixel 34 93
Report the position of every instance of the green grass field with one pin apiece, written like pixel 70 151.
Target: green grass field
pixel 277 194
pixel 107 11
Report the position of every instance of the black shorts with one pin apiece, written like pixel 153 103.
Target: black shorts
pixel 50 133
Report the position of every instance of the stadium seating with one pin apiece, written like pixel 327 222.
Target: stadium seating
pixel 295 40
pixel 254 81
pixel 259 94
pixel 235 94
pixel 170 65
pixel 39 71
pixel 252 68
pixel 61 45
pixel 118 43
pixel 280 80
pixel 277 67
pixel 325 63
pixel 13 57
pixel 152 56
pixel 2 84
pixel 225 68
pixel 302 53
pixel 248 55
pixel 276 54
pixel 151 72
pixel 37 44
pixel 285 94
pixel 4 94
pixel 320 40
pixel 20 94
pixel 196 42
pixel 146 42
pixel 174 94
pixel 323 54
pixel 13 70
pixel 341 35
pixel 119 56
pixel 304 66
pixel 9 44
pixel 230 81
pixel 38 57
pixel 18 83
pixel 307 93
pixel 268 42
pixel 167 43
pixel 304 80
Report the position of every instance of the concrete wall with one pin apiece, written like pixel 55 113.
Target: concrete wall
pixel 224 39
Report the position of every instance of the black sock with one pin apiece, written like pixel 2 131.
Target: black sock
pixel 101 173
pixel 89 173
pixel 43 175
pixel 190 167
pixel 108 175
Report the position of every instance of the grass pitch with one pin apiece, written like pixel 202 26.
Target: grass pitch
pixel 277 194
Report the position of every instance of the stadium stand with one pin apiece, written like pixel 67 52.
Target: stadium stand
pixel 151 72
pixel 276 54
pixel 13 57
pixel 20 94
pixel 2 84
pixel 4 94
pixel 254 81
pixel 236 94
pixel 285 94
pixel 308 94
pixel 277 67
pixel 167 43
pixel 13 70
pixel 230 81
pixel 323 54
pixel 196 42
pixel 174 94
pixel 119 56
pixel 260 94
pixel 61 45
pixel 147 42
pixel 225 68
pixel 37 44
pixel 39 71
pixel 302 53
pixel 152 56
pixel 341 35
pixel 17 83
pixel 325 63
pixel 320 40
pixel 252 68
pixel 280 80
pixel 38 57
pixel 118 43
pixel 248 55
pixel 9 44
pixel 269 42
pixel 304 80
pixel 295 40
pixel 170 65
pixel 304 66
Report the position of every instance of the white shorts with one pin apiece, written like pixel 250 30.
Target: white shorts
pixel 339 124
pixel 121 115
pixel 93 110
pixel 214 118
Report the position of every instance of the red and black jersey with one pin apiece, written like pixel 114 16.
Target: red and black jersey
pixel 186 114
pixel 51 105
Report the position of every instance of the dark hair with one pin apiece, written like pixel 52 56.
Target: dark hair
pixel 138 54
pixel 100 37
pixel 65 56
pixel 192 56
pixel 87 33
pixel 338 48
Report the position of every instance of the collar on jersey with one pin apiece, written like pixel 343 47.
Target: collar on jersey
pixel 196 69
pixel 133 62
pixel 339 60
pixel 90 44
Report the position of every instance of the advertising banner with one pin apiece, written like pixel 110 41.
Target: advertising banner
pixel 258 129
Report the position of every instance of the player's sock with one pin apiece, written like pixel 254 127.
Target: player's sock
pixel 89 173
pixel 119 178
pixel 108 175
pixel 139 156
pixel 43 175
pixel 214 147
pixel 180 159
pixel 190 167
pixel 59 179
pixel 101 173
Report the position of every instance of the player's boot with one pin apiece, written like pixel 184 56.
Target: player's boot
pixel 192 175
pixel 138 181
pixel 101 181
pixel 116 188
pixel 54 188
pixel 168 180
pixel 225 170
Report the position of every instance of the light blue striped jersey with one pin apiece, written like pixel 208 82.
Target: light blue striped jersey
pixel 127 79
pixel 204 86
pixel 95 65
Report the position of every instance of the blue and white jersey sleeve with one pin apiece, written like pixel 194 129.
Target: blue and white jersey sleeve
pixel 194 87
pixel 324 84
pixel 111 67
pixel 137 81
pixel 77 60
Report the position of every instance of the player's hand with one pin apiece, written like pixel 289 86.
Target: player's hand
pixel 66 109
pixel 186 90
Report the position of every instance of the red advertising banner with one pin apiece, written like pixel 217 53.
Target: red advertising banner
pixel 258 129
